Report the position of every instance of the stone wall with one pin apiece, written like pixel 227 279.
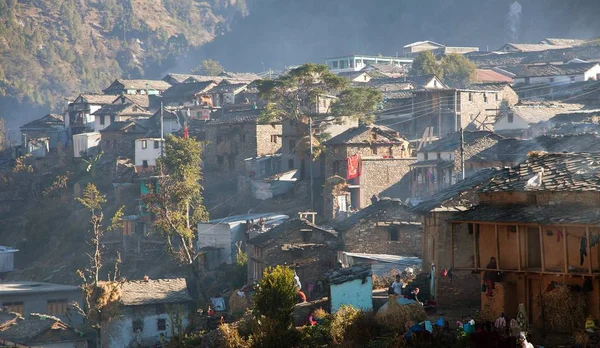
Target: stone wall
pixel 366 237
pixel 340 153
pixel 386 177
pixel 119 144
pixel 268 139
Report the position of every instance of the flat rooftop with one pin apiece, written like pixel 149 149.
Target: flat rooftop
pixel 29 287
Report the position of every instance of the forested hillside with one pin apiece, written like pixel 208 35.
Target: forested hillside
pixel 50 49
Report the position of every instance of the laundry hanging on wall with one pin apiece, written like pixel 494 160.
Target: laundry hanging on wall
pixel 354 165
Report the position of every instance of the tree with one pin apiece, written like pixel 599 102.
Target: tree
pixel 358 102
pixel 459 71
pixel 291 96
pixel 177 204
pixel 99 304
pixel 426 64
pixel 208 67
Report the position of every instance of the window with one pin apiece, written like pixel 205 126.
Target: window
pixel 306 235
pixel 156 144
pixel 426 156
pixel 470 97
pixel 497 96
pixel 343 64
pixel 102 120
pixel 145 164
pixel 291 163
pixel 335 64
pixel 137 325
pixel 219 160
pixel 57 307
pixel 373 150
pixel 161 324
pixel 198 114
pixel 485 97
pixel 144 144
pixel 531 199
pixel 572 78
pixel 352 63
pixel 510 118
pixel 439 155
pixel 274 139
pixel 336 167
pixel 292 144
pixel 393 230
pixel 17 307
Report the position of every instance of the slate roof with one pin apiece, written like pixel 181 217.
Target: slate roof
pixel 142 100
pixel 266 238
pixel 351 75
pixel 46 122
pixel 38 329
pixel 576 116
pixel 384 209
pixel 231 117
pixel 155 291
pixel 454 192
pixel 182 90
pixel 342 275
pixel 489 75
pixel 180 78
pixel 561 172
pixel 525 47
pixel 488 86
pixel 98 99
pixel 451 142
pixel 541 112
pixel 159 85
pixel 227 88
pixel 494 59
pixel 549 69
pixel 564 42
pixel 386 68
pixel 351 135
pixel 544 215
pixel 121 109
pixel 239 76
pixel 125 125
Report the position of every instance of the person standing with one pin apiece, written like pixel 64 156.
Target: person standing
pixel 490 277
pixel 397 286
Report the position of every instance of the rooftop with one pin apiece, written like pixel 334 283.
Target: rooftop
pixel 495 59
pixel 97 99
pixel 48 121
pixel 559 172
pixel 121 109
pixel 38 329
pixel 231 117
pixel 155 291
pixel 30 287
pixel 342 275
pixel 541 112
pixel 188 89
pixel 296 224
pixel 489 75
pixel 543 215
pixel 159 85
pixel 228 88
pixel 390 210
pixel 198 78
pixel 363 135
pixel 451 142
pixel 549 69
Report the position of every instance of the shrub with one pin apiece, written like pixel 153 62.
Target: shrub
pixel 342 319
pixel 318 335
pixel 275 297
pixel 271 335
pixel 229 337
pixel 363 329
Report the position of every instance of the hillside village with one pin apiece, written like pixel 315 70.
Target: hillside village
pixel 480 194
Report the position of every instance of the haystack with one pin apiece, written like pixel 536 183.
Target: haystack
pixel 394 315
pixel 238 304
pixel 563 309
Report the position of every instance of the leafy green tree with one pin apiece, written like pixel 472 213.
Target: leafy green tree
pixel 208 67
pixel 177 204
pixel 426 64
pixel 291 96
pixel 275 296
pixel 358 102
pixel 459 71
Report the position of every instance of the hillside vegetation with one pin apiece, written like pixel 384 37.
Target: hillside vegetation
pixel 52 49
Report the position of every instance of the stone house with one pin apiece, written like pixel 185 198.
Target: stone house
pixel 79 113
pixel 174 79
pixel 311 249
pixel 50 127
pixel 530 120
pixel 150 87
pixel 234 136
pixel 172 120
pixel 385 157
pixel 226 94
pixel 459 288
pixel 554 73
pixel 186 94
pixel 38 330
pixel 118 139
pixel 146 311
pixel 149 102
pixel 26 297
pixel 449 110
pixel 384 227
pixel 438 164
pixel 108 114
pixel 539 220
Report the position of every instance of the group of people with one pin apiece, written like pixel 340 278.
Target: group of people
pixel 397 289
pixel 260 225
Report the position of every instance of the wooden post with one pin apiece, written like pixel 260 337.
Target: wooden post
pixel 451 245
pixel 589 249
pixel 542 248
pixel 497 247
pixel 475 258
pixel 518 249
pixel 565 249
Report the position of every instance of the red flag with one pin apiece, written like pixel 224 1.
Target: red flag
pixel 186 133
pixel 354 166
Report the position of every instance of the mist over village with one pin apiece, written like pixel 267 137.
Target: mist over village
pixel 275 173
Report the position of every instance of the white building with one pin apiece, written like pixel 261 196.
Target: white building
pixel 560 73
pixel 83 142
pixel 147 307
pixel 147 151
pixel 358 62
pixel 415 48
pixel 530 120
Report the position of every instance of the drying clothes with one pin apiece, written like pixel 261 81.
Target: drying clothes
pixel 354 164
pixel 559 235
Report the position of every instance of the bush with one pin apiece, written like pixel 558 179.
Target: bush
pixel 271 335
pixel 228 337
pixel 363 329
pixel 318 335
pixel 275 297
pixel 342 319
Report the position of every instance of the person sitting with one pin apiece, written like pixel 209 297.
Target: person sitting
pixel 311 319
pixel 397 286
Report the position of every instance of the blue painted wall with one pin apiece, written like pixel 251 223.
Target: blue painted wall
pixel 353 293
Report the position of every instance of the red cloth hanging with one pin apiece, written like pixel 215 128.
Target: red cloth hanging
pixel 186 133
pixel 354 166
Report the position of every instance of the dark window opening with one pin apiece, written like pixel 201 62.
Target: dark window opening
pixel 485 99
pixel 274 139
pixel 291 164
pixel 511 118
pixel 373 150
pixel 336 167
pixel 512 228
pixel 306 235
pixel 292 145
pixel 470 97
pixel 145 164
pixel 137 325
pixel 156 144
pixel 102 121
pixel 161 324
pixel 394 234
pixel 531 199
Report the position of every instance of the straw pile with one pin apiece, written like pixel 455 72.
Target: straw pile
pixel 238 304
pixel 564 310
pixel 395 316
